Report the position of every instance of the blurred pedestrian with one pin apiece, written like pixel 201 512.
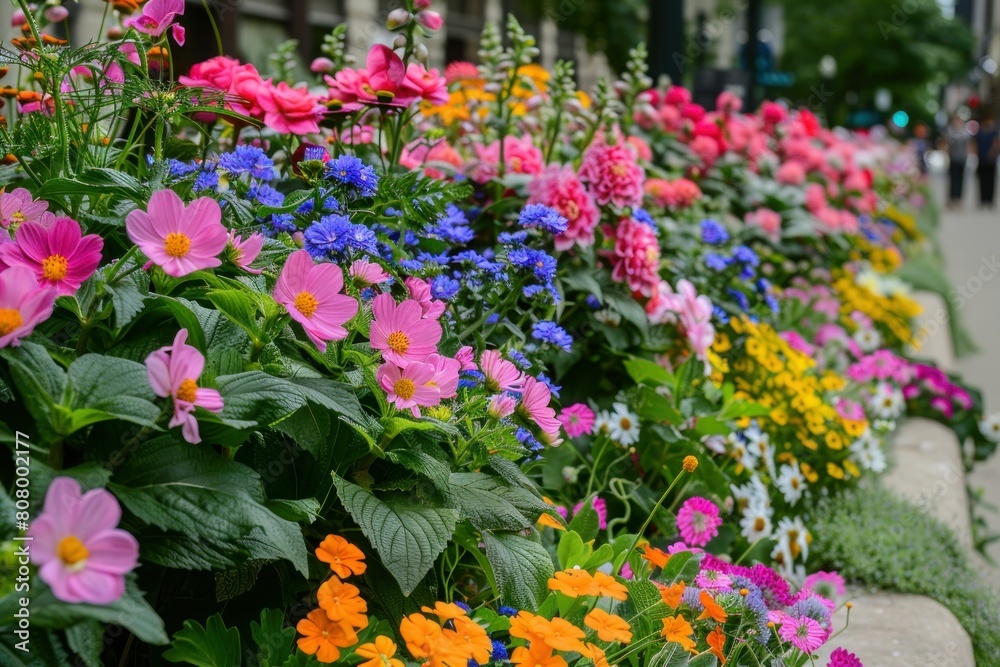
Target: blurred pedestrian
pixel 987 148
pixel 957 141
pixel 921 146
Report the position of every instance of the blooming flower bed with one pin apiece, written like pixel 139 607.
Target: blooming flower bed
pixel 411 367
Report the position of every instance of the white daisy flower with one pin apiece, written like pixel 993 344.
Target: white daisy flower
pixel 867 452
pixel 756 522
pixel 791 482
pixel 602 422
pixel 623 425
pixel 868 339
pixel 990 427
pixel 887 402
pixel 753 492
pixel 793 541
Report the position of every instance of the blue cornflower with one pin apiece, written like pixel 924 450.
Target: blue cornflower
pixel 283 222
pixel 541 264
pixel 327 236
pixel 181 169
pixel 643 216
pixel 519 359
pixel 714 233
pixel 266 195
pixel 315 153
pixel 499 652
pixel 331 204
pixel 350 170
pixel 745 255
pixel 411 265
pixel 544 217
pixel 554 389
pixel 716 262
pixel 550 332
pixel 747 273
pixel 772 303
pixel 245 159
pixel 443 287
pixel 763 285
pixel 721 315
pixel 504 610
pixel 441 259
pixel 593 301
pixel 529 441
pixel 740 298
pixel 452 227
pixel 306 207
pixel 512 238
pixel 361 238
pixel 207 180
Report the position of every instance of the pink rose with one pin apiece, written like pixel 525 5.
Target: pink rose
pixel 289 110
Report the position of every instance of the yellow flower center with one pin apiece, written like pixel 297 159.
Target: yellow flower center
pixel 619 169
pixel 625 423
pixel 188 391
pixel 398 342
pixel 10 320
pixel 177 244
pixel 54 267
pixel 758 524
pixel 71 550
pixel 571 211
pixel 306 303
pixel 404 388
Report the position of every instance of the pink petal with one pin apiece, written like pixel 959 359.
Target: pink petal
pixel 97 511
pixel 178 31
pixel 94 587
pixel 210 399
pixel 157 364
pixel 293 277
pixel 166 213
pixel 113 552
pixel 33 239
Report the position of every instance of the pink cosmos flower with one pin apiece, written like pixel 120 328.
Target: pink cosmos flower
pixel 418 154
pixel 767 220
pixel 848 409
pixel 173 371
pixel 82 554
pixel 842 658
pixel 409 388
pixel 534 406
pixel 243 253
pixel 366 274
pixel 466 357
pixel 691 311
pixel 577 420
pixel 828 584
pixel 19 206
pixel 500 374
pixel 502 405
pixel 612 173
pixel 803 633
pixel 636 256
pixel 420 291
pixel 311 293
pixel 698 521
pixel 445 374
pixel 560 188
pixel 23 304
pixel 59 255
pixel 156 17
pixel 179 239
pixel 289 110
pixel 401 332
pixel 520 155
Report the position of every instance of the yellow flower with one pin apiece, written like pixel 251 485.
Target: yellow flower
pixel 834 470
pixel 834 440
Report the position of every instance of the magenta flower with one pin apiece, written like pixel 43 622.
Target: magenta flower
pixel 500 374
pixel 401 332
pixel 577 420
pixel 612 173
pixel 289 110
pixel 698 521
pixel 803 633
pixel 173 371
pixel 420 290
pixel 387 77
pixel 156 17
pixel 502 405
pixel 19 206
pixel 600 507
pixel 636 256
pixel 560 188
pixel 23 304
pixel 179 239
pixel 366 274
pixel 535 398
pixel 712 579
pixel 842 658
pixel 311 293
pixel 244 252
pixel 409 388
pixel 59 255
pixel 466 357
pixel 81 553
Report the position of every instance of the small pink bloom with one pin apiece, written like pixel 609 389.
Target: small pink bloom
pixel 23 304
pixel 797 342
pixel 678 547
pixel 321 65
pixel 769 222
pixel 520 156
pixel 445 374
pixel 366 273
pixel 173 371
pixel 289 110
pixel 842 658
pixel 19 206
pixel 502 405
pixel 772 113
pixel 245 252
pixel 691 312
pixel 179 239
pixel 636 256
pixel 848 409
pixel 577 420
pixel 500 374
pixel 535 399
pixel 387 74
pixel 612 173
pixel 82 554
pixel 728 102
pixel 156 17
pixel 401 332
pixel 432 86
pixel 56 13
pixel 803 633
pixel 698 521
pixel 430 19
pixel 600 506
pixel 706 148
pixel 409 388
pixel 713 579
pixel 676 194
pixel 420 291
pixel 466 357
pixel 827 584
pixel 560 188
pixel 60 255
pixel 791 173
pixel 311 293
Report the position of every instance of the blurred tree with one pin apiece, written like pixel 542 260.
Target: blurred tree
pixel 611 27
pixel 898 45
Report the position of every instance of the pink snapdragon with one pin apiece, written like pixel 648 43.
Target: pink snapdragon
pixel 156 17
pixel 59 255
pixel 577 420
pixel 244 252
pixel 173 372
pixel 401 332
pixel 24 304
pixel 409 388
pixel 612 173
pixel 82 554
pixel 312 295
pixel 560 188
pixel 698 521
pixel 179 239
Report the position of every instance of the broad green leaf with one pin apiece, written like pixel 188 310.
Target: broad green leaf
pixel 521 568
pixel 309 427
pixel 86 641
pixel 118 388
pixel 213 645
pixel 586 522
pixel 130 611
pixel 275 641
pixel 304 510
pixel 572 550
pixel 240 306
pixel 420 460
pixel 40 381
pixel 490 503
pixel 657 408
pixel 128 295
pixel 337 396
pixel 408 536
pixel 648 372
pixel 258 398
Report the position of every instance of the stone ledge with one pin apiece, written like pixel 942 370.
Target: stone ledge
pixel 933 332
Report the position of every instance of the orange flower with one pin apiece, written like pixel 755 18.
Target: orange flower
pixel 562 635
pixel 656 557
pixel 677 629
pixel 610 628
pixel 469 640
pixel 536 654
pixel 672 594
pixel 342 602
pixel 379 653
pixel 716 641
pixel 444 610
pixel 546 519
pixel 420 634
pixel 596 653
pixel 524 626
pixel 574 583
pixel 322 637
pixel 712 608
pixel 344 558
pixel 610 586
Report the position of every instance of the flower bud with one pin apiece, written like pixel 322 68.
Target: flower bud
pixel 421 4
pixel 56 14
pixel 690 463
pixel 399 42
pixel 421 53
pixel 502 406
pixel 397 18
pixel 321 65
pixel 430 19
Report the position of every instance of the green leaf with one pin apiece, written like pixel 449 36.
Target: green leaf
pixel 130 611
pixel 240 306
pixel 86 640
pixel 305 510
pixel 657 408
pixel 572 550
pixel 309 427
pixel 275 642
pixel 39 380
pixel 408 536
pixel 213 645
pixel 648 372
pixel 110 388
pixel 521 568
pixel 490 503
pixel 421 460
pixel 255 397
pixel 337 396
pixel 128 295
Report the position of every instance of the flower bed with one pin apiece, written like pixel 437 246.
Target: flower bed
pixel 447 369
